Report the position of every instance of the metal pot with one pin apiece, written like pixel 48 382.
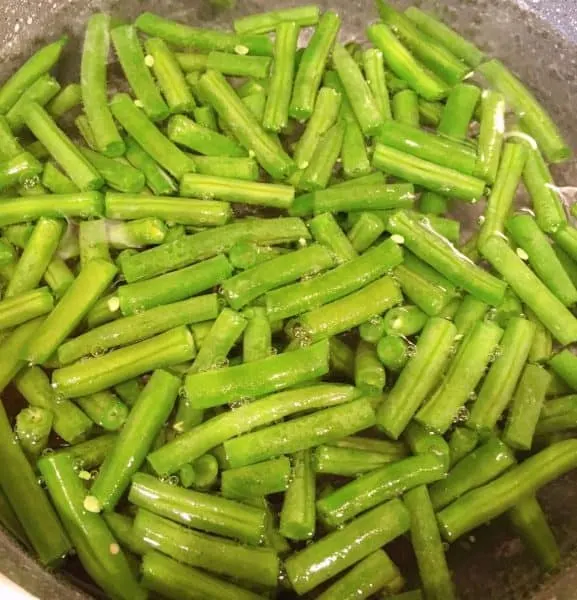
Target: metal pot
pixel 538 40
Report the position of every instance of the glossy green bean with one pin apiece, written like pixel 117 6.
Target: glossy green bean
pixel 497 390
pixel 68 98
pixel 378 486
pixel 550 311
pixel 489 501
pixel 96 374
pixel 300 434
pixel 213 432
pixel 268 21
pixel 463 375
pixel 41 91
pixel 309 568
pixel 24 307
pixel 443 256
pixel 93 86
pixel 76 302
pixel 312 65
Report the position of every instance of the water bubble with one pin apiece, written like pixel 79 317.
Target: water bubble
pixel 97 351
pixel 173 480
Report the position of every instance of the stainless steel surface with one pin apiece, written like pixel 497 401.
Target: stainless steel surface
pixel 538 40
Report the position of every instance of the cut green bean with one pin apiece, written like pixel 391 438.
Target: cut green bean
pixel 156 178
pixel 36 256
pixel 220 386
pixel 404 321
pixel 312 66
pixel 23 169
pixel 326 231
pixel 55 181
pixel 148 136
pixel 264 22
pixel 254 481
pixel 350 311
pixel 369 373
pixel 342 358
pixel 479 467
pixel 247 129
pixel 366 231
pixel 138 327
pixel 203 39
pixel 135 234
pixel 37 65
pixel 297 517
pixel 250 284
pixel 105 410
pixel 143 423
pixel 68 98
pixel 532 116
pixel 9 521
pixel 404 65
pixel 29 501
pixel 375 73
pixel 93 375
pixel 300 434
pixel 73 306
pixel 405 107
pixel 9 145
pixel 33 426
pixel 309 568
pixel 564 364
pixel 499 385
pixel 276 112
pixel 528 236
pixel 371 197
pixel 531 525
pixel 422 441
pixel 90 454
pixel 118 175
pixel 215 554
pixel 378 486
pixel 93 242
pixel 188 61
pixel 25 306
pixel 190 446
pixel 443 256
pixel 189 212
pixel 432 54
pixel 256 341
pixel 350 462
pixel 185 132
pixel 437 149
pixel 174 580
pixel 549 310
pixel 326 110
pixel 85 131
pixel 427 545
pixel 465 372
pixel 41 91
pixel 424 286
pixel 173 287
pixel 202 474
pixel 319 170
pixel 489 501
pixel 334 284
pixel 545 196
pixel 93 541
pixel 373 573
pixel 70 423
pixel 393 352
pixel 430 112
pixel 221 166
pixel 131 58
pixel 446 36
pixel 491 135
pixel 60 147
pixel 358 91
pixel 169 76
pixel 93 79
pixel 469 312
pixel 503 192
pixel 236 190
pixel 461 442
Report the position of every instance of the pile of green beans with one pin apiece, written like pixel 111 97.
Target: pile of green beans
pixel 244 343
